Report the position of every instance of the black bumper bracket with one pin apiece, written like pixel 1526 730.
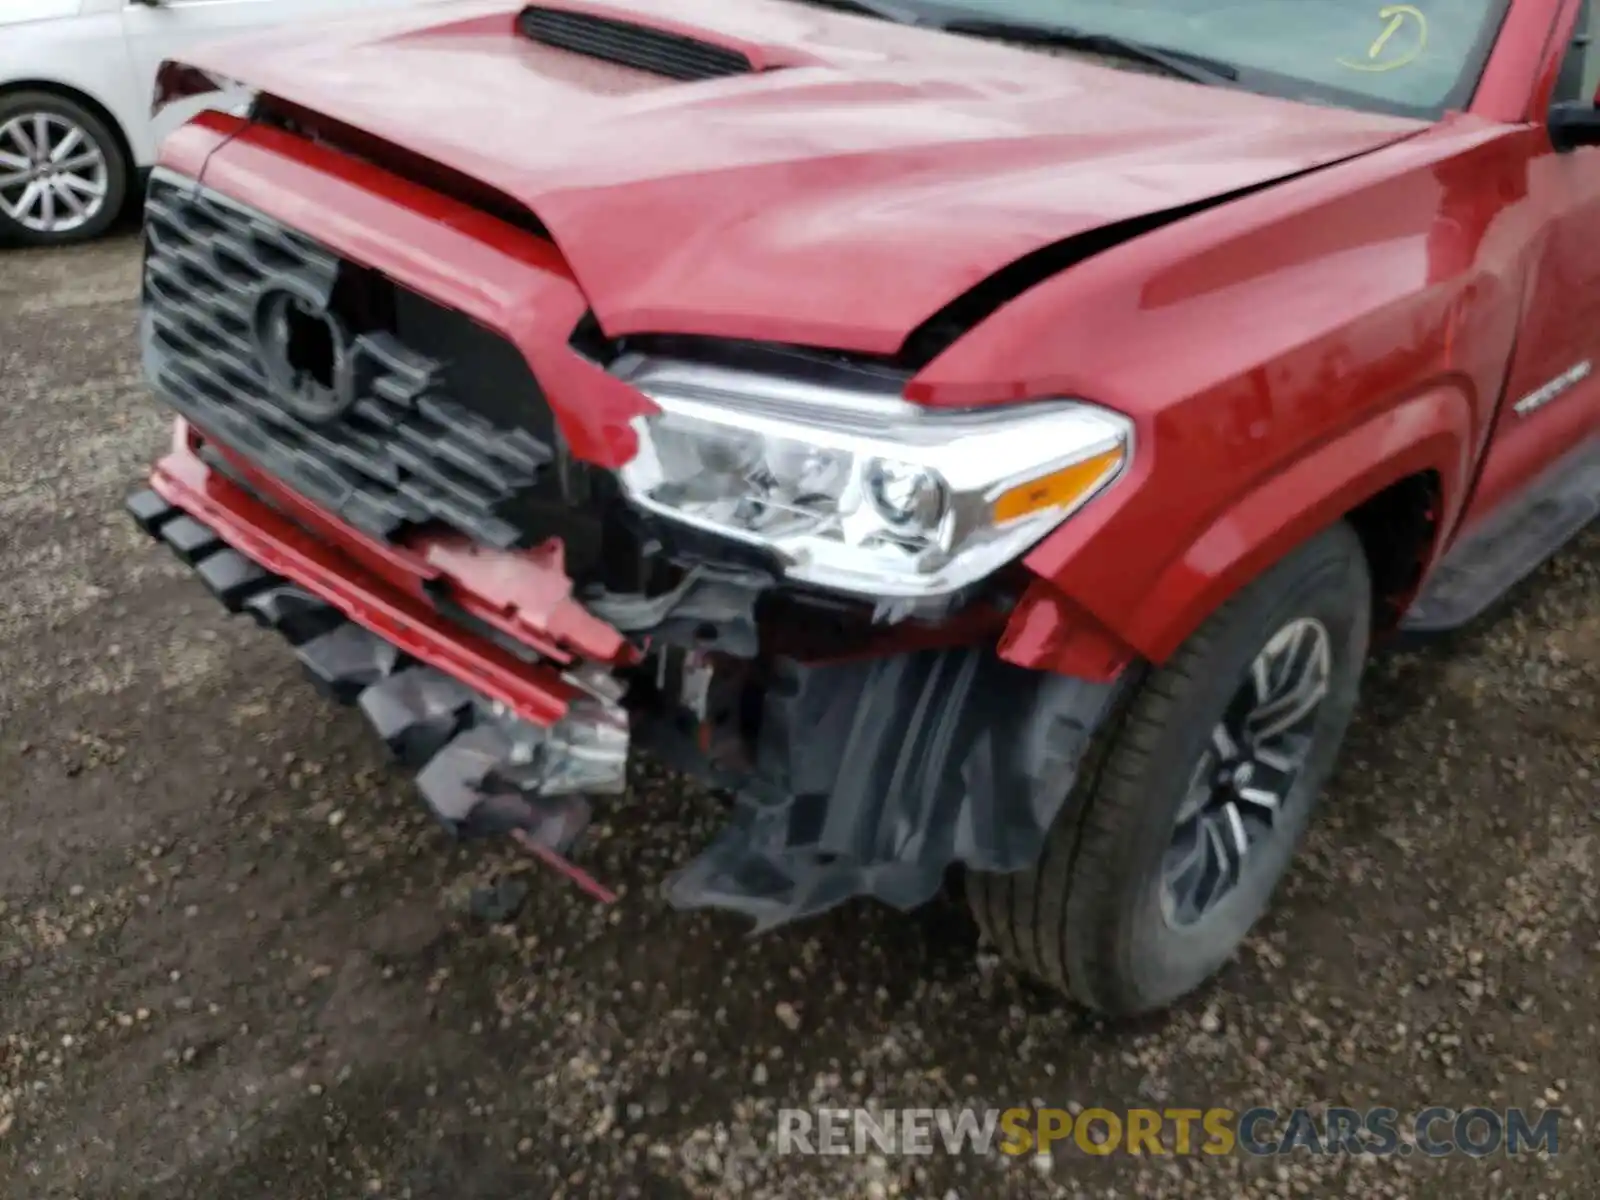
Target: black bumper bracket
pixel 934 759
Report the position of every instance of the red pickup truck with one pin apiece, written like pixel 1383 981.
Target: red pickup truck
pixel 979 439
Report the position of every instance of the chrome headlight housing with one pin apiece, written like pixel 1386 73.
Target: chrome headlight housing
pixel 854 488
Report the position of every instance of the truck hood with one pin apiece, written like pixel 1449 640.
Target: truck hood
pixel 859 180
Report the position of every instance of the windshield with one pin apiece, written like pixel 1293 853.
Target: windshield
pixel 1416 59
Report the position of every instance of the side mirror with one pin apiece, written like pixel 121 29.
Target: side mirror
pixel 1574 123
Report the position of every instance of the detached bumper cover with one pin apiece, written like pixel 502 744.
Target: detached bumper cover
pixel 484 769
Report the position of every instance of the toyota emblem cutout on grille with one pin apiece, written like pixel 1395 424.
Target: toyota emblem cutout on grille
pixel 305 351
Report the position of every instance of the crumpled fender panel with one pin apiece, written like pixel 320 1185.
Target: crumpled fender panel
pixel 873 778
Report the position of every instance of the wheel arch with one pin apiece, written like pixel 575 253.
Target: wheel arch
pixel 89 101
pixel 1399 528
pixel 1362 476
pixel 1398 477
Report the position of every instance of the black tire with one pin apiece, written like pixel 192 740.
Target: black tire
pixel 1089 918
pixel 95 131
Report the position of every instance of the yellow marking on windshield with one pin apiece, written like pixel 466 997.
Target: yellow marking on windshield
pixel 1395 22
pixel 1396 16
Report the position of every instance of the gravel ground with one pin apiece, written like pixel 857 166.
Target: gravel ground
pixel 236 959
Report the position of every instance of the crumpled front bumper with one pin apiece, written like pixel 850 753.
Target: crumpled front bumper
pixel 502 745
pixel 865 777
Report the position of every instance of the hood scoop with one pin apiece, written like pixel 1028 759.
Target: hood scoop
pixel 641 47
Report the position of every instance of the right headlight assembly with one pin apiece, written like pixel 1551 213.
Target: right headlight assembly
pixel 859 490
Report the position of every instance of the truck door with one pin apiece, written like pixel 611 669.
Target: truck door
pixel 1552 402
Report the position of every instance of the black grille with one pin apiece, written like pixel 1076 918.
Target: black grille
pixel 637 46
pixel 439 419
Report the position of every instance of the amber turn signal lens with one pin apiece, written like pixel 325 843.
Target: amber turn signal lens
pixel 1062 489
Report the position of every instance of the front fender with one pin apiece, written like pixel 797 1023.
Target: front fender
pixel 1284 358
pixel 1068 623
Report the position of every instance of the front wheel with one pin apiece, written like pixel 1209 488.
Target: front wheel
pixel 63 173
pixel 1192 803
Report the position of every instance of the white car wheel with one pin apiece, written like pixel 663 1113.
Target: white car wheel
pixel 63 174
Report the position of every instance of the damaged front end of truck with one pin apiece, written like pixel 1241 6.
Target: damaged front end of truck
pixel 792 586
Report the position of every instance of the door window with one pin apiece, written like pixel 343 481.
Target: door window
pixel 1580 70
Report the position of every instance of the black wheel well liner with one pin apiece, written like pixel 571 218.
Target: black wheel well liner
pixel 1397 527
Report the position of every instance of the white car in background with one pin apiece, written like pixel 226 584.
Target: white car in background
pixel 76 81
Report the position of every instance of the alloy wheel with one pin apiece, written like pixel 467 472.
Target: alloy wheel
pixel 1244 781
pixel 54 176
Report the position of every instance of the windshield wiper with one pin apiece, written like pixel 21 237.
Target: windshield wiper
pixel 1195 67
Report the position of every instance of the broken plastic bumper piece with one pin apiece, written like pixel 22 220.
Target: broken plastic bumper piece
pixel 484 767
pixel 935 759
